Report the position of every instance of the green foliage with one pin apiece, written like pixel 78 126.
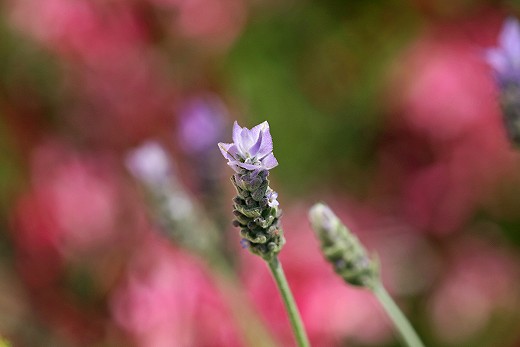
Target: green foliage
pixel 10 170
pixel 315 73
pixel 30 76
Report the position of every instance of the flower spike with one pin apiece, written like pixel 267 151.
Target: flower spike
pixel 351 262
pixel 256 209
pixel 505 62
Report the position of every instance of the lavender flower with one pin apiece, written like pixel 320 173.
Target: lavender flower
pixel 150 164
pixel 172 206
pixel 255 206
pixel 202 123
pixel 250 149
pixel 505 61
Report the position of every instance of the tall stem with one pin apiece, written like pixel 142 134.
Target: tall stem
pixel 255 333
pixel 403 326
pixel 290 304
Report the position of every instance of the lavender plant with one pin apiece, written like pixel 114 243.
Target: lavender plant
pixel 176 212
pixel 350 260
pixel 256 208
pixel 184 221
pixel 505 62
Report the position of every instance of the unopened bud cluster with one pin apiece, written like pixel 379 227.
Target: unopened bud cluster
pixel 510 105
pixel 257 213
pixel 505 62
pixel 343 249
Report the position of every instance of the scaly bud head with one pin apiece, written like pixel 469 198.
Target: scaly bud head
pixel 343 249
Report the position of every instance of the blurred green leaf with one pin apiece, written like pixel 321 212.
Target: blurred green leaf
pixel 315 73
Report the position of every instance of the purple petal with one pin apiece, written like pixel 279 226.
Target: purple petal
pixel 510 39
pixel 497 60
pixel 228 150
pixel 269 161
pixel 246 141
pixel 273 202
pixel 272 196
pixel 257 146
pixel 234 165
pixel 249 166
pixel 267 144
pixel 236 132
pixel 255 131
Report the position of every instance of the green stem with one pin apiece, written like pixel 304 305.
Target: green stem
pixel 405 329
pixel 255 333
pixel 290 304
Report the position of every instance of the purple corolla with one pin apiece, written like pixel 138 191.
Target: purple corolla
pixel 505 59
pixel 251 150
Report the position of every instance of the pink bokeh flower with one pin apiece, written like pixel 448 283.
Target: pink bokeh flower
pixel 479 284
pixel 115 77
pixel 168 298
pixel 73 202
pixel 454 150
pixel 65 224
pixel 89 32
pixel 213 23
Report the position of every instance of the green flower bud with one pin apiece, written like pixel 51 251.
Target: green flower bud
pixel 343 249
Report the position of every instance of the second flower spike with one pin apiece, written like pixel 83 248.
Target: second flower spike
pixel 342 248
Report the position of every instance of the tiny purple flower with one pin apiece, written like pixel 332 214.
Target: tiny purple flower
pixel 150 163
pixel 202 123
pixel 271 198
pixel 244 243
pixel 505 59
pixel 251 150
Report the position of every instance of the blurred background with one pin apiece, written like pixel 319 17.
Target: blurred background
pixel 115 203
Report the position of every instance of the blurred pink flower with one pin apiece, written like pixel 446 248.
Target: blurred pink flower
pixel 215 22
pixel 448 108
pixel 76 198
pixel 92 32
pixel 479 284
pixel 116 76
pixel 449 90
pixel 86 31
pixel 124 104
pixel 73 213
pixel 332 311
pixel 169 299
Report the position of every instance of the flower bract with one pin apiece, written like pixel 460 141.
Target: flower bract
pixel 251 149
